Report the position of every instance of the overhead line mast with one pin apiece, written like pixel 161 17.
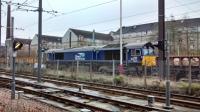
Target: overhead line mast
pixel 120 40
pixel 39 39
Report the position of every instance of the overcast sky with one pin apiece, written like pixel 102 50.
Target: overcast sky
pixel 103 16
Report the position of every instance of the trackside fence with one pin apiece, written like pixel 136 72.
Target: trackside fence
pixel 108 72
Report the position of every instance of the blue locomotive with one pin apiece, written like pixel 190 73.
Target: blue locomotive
pixel 132 53
pixel 102 56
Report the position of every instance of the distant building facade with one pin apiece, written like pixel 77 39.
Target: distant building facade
pixel 79 38
pixel 47 41
pixel 137 33
pixel 183 34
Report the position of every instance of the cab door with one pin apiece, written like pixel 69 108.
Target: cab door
pixel 136 55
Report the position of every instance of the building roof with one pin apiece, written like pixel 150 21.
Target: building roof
pixel 154 26
pixel 24 41
pixel 49 38
pixel 78 49
pixel 88 34
pixel 135 45
pixel 137 28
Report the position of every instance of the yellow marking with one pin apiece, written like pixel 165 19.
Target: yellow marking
pixel 149 61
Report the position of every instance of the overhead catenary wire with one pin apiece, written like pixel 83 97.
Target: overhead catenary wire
pixel 73 11
pixel 127 17
pixel 105 21
pixel 82 9
pixel 20 6
pixel 13 28
pixel 35 9
pixel 113 19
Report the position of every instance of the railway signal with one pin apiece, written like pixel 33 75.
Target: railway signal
pixel 149 45
pixel 17 45
pixel 160 45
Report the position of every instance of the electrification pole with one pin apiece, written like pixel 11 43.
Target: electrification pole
pixel 13 55
pixel 161 37
pixel 120 37
pixel 197 39
pixel 8 35
pixel 39 39
pixel 162 56
pixel 0 22
pixel 93 38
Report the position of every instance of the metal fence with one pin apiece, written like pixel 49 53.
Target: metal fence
pixel 100 71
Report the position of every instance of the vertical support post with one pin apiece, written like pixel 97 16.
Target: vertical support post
pixel 77 68
pixel 8 35
pixel 168 94
pixel 29 49
pixel 197 40
pixel 190 77
pixel 179 49
pixel 8 22
pixel 168 57
pixel 13 76
pixel 13 56
pixel 0 23
pixel 187 41
pixel 120 37
pixel 91 71
pixel 70 40
pixel 145 75
pixel 93 38
pixel 57 66
pixel 72 69
pixel 113 72
pixel 126 57
pixel 161 37
pixel 39 39
pixel 162 57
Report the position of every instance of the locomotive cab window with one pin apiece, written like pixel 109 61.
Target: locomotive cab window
pixel 148 52
pixel 135 52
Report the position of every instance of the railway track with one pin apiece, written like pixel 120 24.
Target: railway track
pixel 5 83
pixel 181 100
pixel 54 98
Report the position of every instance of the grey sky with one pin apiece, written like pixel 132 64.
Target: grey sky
pixel 134 12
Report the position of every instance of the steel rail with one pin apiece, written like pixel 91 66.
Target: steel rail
pixel 55 98
pixel 104 99
pixel 91 84
pixel 181 101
